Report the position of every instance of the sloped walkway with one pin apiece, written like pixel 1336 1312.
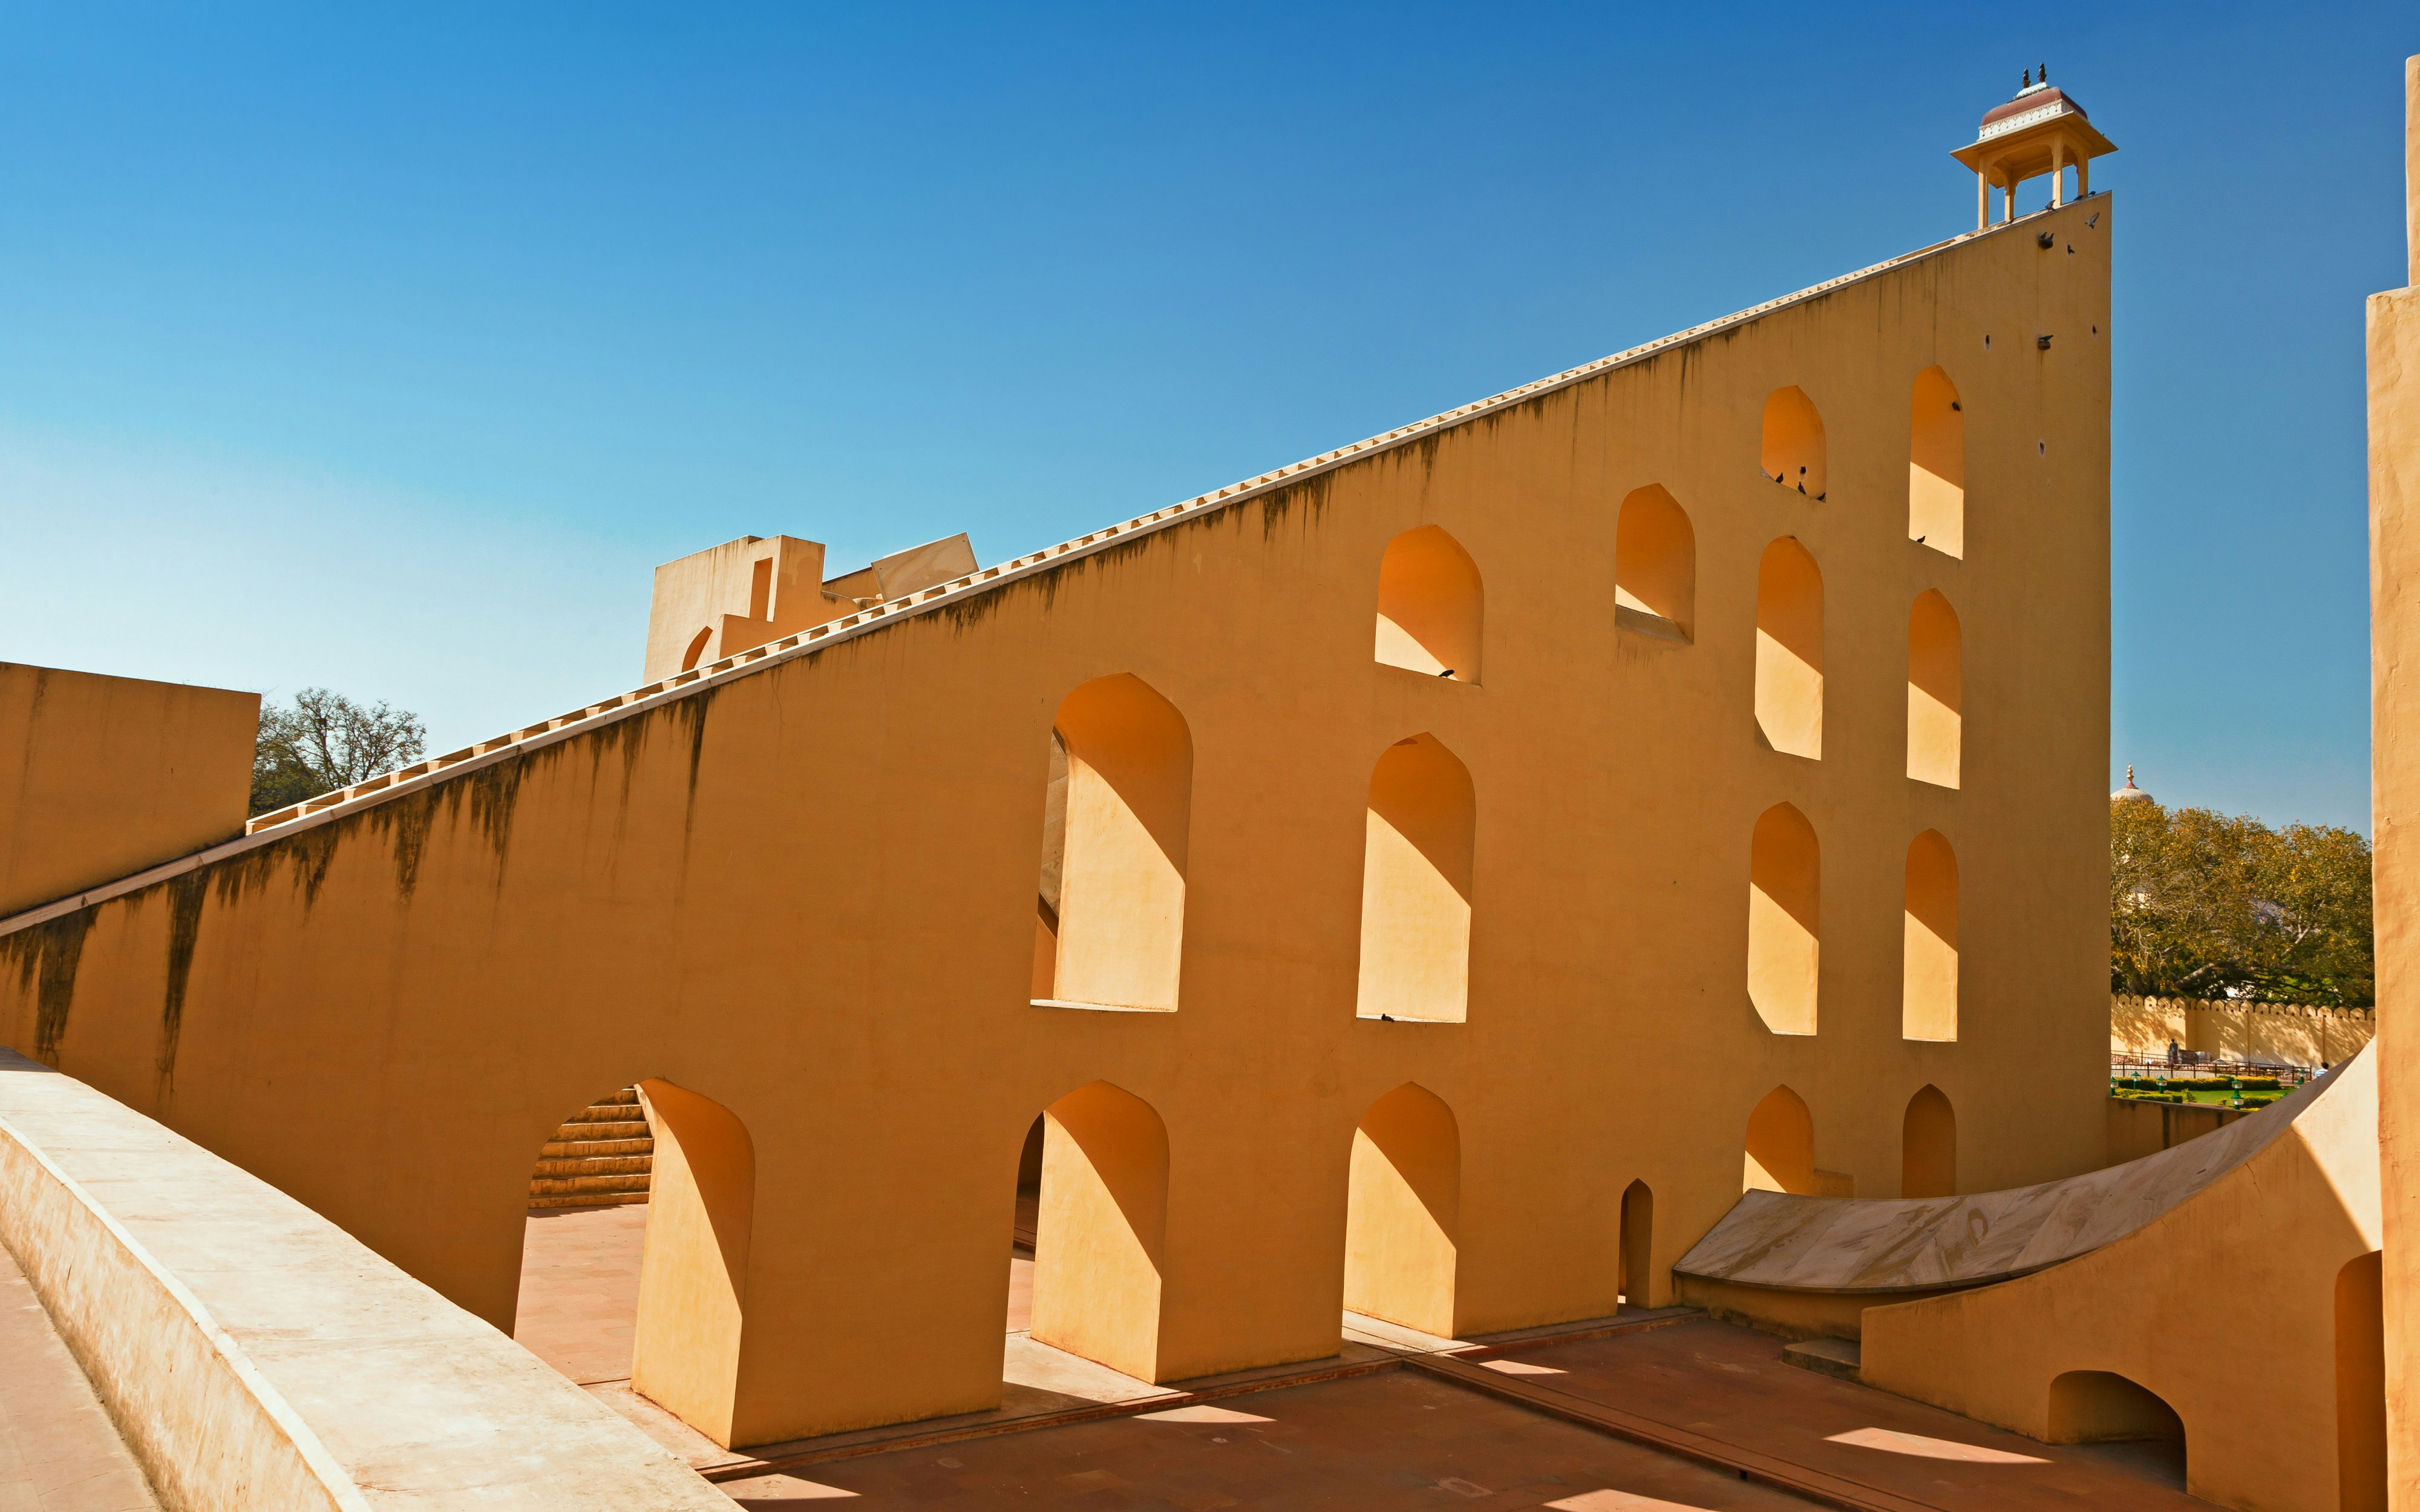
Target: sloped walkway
pixel 58 1450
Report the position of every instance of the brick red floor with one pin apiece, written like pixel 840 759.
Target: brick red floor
pixel 1399 1439
pixel 58 1450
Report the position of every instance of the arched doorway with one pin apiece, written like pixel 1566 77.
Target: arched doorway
pixel 1403 1211
pixel 2103 1407
pixel 2361 1385
pixel 581 1239
pixel 1100 1221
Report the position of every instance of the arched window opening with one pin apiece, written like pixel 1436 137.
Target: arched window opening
pixel 1784 919
pixel 1794 442
pixel 2361 1386
pixel 2101 1407
pixel 1936 670
pixel 1415 871
pixel 1430 607
pixel 1110 911
pixel 582 1241
pixel 1936 465
pixel 1100 1224
pixel 693 1277
pixel 696 649
pixel 1780 1145
pixel 1403 1211
pixel 1637 1280
pixel 1928 959
pixel 1928 1146
pixel 1655 567
pixel 1789 650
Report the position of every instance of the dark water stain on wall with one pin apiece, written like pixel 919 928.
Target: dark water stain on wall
pixel 405 822
pixel 186 895
pixel 46 956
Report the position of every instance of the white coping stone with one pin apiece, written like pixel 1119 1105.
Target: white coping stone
pixel 256 1355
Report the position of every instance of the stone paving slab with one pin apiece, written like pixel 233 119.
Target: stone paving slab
pixel 58 1450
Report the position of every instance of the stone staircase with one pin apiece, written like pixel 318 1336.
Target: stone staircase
pixel 599 1159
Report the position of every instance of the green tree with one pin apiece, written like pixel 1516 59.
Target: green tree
pixel 325 741
pixel 2203 904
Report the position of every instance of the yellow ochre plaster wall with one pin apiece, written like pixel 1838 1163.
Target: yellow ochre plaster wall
pixel 805 891
pixel 101 776
pixel 2394 324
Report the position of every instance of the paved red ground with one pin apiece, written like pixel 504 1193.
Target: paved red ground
pixel 1404 1438
pixel 58 1450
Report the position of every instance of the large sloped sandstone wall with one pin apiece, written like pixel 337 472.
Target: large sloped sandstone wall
pixel 807 893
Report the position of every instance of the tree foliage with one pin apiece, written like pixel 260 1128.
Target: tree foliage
pixel 325 741
pixel 2205 905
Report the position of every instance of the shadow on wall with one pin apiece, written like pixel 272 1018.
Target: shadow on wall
pixel 1110 913
pixel 693 1276
pixel 1929 956
pixel 1785 875
pixel 1404 1210
pixel 1937 464
pixel 1935 675
pixel 1415 885
pixel 1430 607
pixel 1789 650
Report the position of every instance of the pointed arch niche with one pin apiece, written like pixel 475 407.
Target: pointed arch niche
pixel 1936 658
pixel 1636 1282
pixel 1780 1144
pixel 1792 453
pixel 1927 1146
pixel 1655 567
pixel 1789 650
pixel 1785 884
pixel 1404 1212
pixel 1928 965
pixel 1416 872
pixel 1937 464
pixel 1110 911
pixel 1431 605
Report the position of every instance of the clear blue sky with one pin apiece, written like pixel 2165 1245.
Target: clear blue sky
pixel 392 352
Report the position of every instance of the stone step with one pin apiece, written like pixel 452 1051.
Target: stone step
pixel 547 1186
pixel 607 1112
pixel 591 1199
pixel 602 1156
pixel 597 1165
pixel 575 1150
pixel 602 1131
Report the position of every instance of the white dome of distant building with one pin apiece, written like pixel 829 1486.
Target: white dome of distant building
pixel 2130 793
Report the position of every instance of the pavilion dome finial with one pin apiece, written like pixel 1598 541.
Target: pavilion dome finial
pixel 2039 130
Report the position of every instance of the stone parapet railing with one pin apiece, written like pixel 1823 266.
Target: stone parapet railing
pixel 253 1355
